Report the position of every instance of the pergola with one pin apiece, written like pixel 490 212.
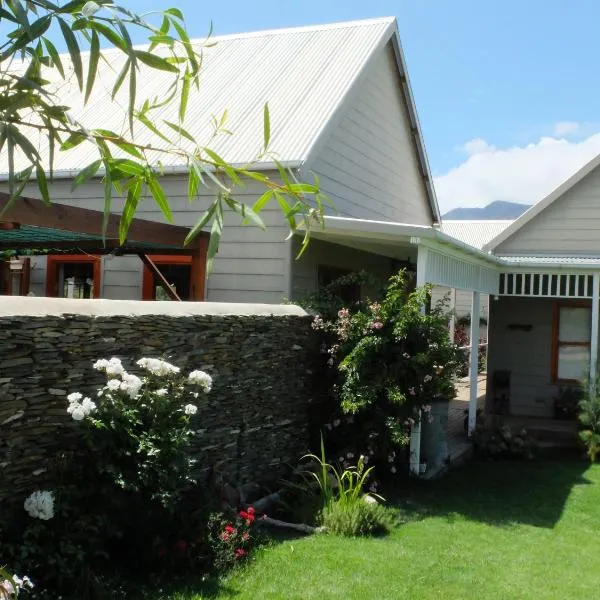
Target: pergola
pixel 31 226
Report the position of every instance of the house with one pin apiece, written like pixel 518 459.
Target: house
pixel 543 328
pixel 341 107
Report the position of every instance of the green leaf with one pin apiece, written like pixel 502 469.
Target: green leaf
pixel 74 50
pixel 154 61
pixel 120 78
pixel 93 65
pixel 127 167
pixel 159 196
pixel 73 140
pixel 181 131
pixel 86 173
pixel 175 12
pixel 245 212
pixel 202 222
pixel 263 201
pixel 54 55
pixel 42 184
pixel 110 34
pixel 215 235
pixel 134 194
pixel 185 94
pixel 266 126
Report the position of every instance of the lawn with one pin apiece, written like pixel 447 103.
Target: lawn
pixel 494 531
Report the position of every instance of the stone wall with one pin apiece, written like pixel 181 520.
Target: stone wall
pixel 255 418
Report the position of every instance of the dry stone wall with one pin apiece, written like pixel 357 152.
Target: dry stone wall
pixel 253 423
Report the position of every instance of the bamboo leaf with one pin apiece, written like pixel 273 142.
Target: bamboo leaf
pixel 54 55
pixel 154 61
pixel 74 51
pixel 93 65
pixel 181 131
pixel 247 213
pixel 185 94
pixel 134 194
pixel 86 173
pixel 159 196
pixel 263 201
pixel 266 126
pixel 202 222
pixel 42 184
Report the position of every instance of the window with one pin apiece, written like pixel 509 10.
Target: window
pixel 177 270
pixel 571 351
pixel 73 276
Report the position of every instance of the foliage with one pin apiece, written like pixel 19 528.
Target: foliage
pixel 357 519
pixel 33 115
pixel 345 507
pixel 391 360
pixel 500 441
pixel 566 403
pixel 230 540
pixel 589 419
pixel 120 492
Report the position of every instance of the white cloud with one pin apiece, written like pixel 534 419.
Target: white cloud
pixel 519 174
pixel 566 128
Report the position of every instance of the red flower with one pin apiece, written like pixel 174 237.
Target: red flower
pixel 239 552
pixel 225 536
pixel 229 529
pixel 251 510
pixel 248 516
pixel 245 537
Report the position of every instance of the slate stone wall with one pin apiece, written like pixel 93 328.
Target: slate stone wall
pixel 255 418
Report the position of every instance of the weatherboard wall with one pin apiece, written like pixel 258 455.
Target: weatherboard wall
pixel 251 266
pixel 568 226
pixel 368 165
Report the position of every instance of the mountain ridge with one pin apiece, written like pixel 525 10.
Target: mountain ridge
pixel 499 209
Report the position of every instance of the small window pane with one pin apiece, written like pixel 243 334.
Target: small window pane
pixel 575 324
pixel 573 362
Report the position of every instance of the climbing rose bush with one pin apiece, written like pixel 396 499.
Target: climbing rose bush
pixel 389 360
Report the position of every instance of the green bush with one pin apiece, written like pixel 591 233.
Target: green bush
pixel 119 493
pixel 359 518
pixel 589 419
pixel 390 360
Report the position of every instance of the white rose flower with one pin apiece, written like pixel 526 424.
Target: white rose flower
pixel 74 397
pixel 100 365
pixel 131 384
pixel 78 413
pixel 88 406
pixel 190 409
pixel 161 392
pixel 113 384
pixel 204 380
pixel 157 367
pixel 40 505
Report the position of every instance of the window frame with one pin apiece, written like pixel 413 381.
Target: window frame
pixel 164 259
pixel 556 342
pixel 53 260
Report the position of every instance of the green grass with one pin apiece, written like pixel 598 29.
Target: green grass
pixel 495 531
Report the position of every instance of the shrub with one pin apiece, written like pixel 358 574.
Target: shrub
pixel 589 419
pixel 231 540
pixel 119 492
pixel 360 518
pixel 391 360
pixel 501 441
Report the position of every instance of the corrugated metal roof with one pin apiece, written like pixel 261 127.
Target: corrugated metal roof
pixel 303 73
pixel 474 233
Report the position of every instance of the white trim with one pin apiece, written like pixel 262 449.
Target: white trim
pixel 594 334
pixel 537 208
pixel 474 361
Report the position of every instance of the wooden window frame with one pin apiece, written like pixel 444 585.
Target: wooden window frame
pixel 166 259
pixel 52 271
pixel 557 344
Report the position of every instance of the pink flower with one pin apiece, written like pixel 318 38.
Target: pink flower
pixel 376 325
pixel 240 552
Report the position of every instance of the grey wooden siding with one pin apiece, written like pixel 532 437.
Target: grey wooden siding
pixel 526 354
pixel 368 165
pixel 463 300
pixel 305 270
pixel 569 225
pixel 251 265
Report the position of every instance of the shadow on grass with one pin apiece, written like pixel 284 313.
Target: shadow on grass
pixel 499 493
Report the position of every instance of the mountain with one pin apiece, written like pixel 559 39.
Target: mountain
pixel 495 210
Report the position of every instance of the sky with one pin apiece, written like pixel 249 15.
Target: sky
pixel 507 92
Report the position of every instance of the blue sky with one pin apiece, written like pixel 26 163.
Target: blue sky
pixel 507 92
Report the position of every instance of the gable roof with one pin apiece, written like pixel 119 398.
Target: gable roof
pixel 540 206
pixel 476 233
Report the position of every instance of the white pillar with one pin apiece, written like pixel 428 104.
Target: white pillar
pixel 474 361
pixel 415 434
pixel 452 323
pixel 594 334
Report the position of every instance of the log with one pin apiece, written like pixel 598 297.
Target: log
pixel 301 527
pixel 263 504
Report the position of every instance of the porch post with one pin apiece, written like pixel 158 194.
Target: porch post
pixel 474 361
pixel 452 324
pixel 415 434
pixel 594 334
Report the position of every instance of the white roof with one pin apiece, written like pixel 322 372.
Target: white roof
pixel 537 208
pixel 303 73
pixel 474 233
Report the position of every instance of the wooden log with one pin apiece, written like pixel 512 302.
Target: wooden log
pixel 301 527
